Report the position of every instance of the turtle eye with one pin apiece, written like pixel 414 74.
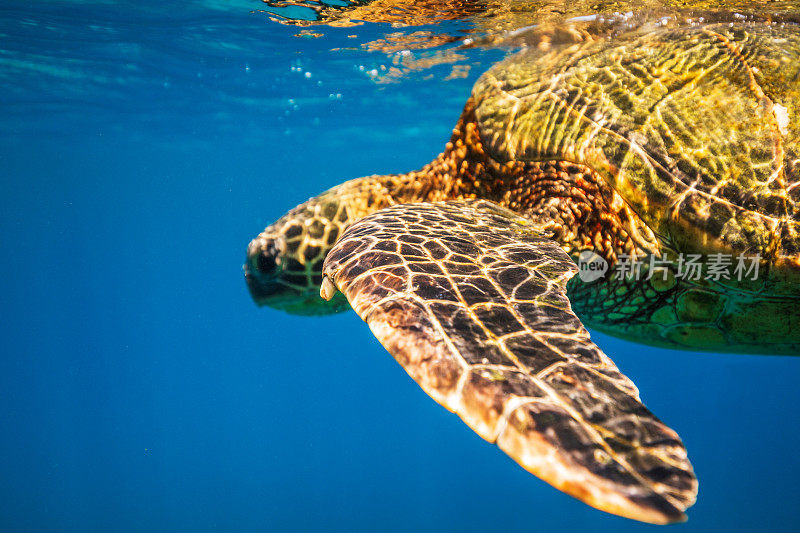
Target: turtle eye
pixel 267 261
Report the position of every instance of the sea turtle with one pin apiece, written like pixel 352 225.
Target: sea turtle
pixel 654 144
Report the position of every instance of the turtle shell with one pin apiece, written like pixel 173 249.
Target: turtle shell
pixel 696 127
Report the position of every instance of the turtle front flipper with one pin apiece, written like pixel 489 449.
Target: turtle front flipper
pixel 471 300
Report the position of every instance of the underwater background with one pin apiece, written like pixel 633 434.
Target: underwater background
pixel 142 145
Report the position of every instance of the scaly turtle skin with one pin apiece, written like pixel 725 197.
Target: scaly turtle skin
pixel 648 145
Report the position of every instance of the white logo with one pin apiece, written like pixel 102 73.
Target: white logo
pixel 591 266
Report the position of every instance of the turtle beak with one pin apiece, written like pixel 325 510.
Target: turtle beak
pixel 263 267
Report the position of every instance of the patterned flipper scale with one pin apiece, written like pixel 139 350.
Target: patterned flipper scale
pixel 471 300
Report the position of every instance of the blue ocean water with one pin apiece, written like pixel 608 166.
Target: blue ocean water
pixel 141 148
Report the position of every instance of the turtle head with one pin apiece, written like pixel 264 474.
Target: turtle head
pixel 284 263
